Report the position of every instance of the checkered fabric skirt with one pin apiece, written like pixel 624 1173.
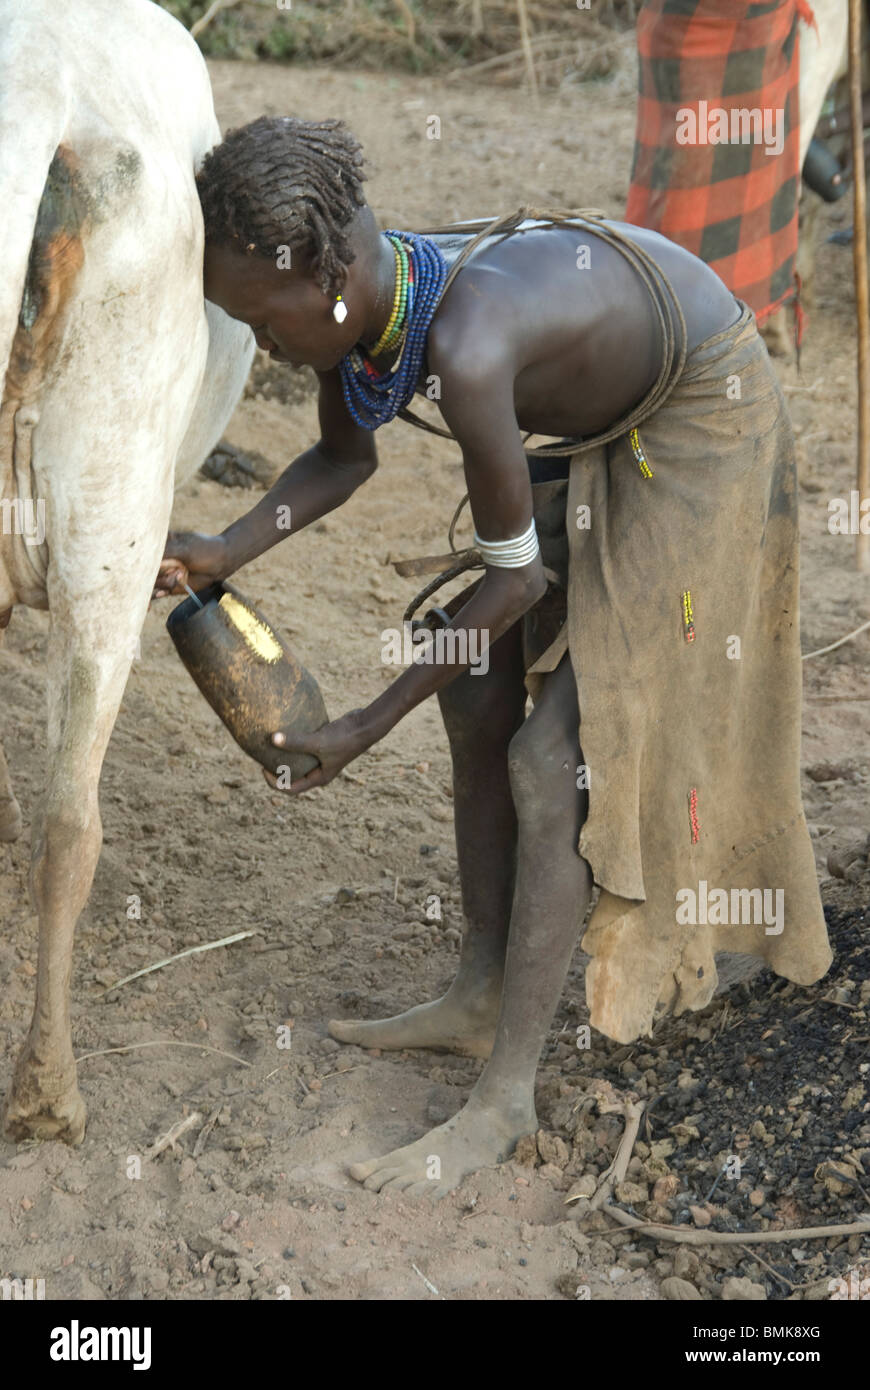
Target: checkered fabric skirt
pixel 733 204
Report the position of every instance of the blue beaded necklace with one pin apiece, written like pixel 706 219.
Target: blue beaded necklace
pixel 374 398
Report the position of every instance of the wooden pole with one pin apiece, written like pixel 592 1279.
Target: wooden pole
pixel 859 251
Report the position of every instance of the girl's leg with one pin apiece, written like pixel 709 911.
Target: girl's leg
pixel 551 896
pixel 481 715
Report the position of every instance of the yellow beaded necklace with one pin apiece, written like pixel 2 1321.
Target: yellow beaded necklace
pixel 394 327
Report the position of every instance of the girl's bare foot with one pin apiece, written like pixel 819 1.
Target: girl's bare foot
pixel 450 1024
pixel 477 1137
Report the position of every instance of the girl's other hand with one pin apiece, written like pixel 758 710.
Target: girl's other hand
pixel 334 746
pixel 193 559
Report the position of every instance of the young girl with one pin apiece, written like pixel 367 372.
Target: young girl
pixel 663 606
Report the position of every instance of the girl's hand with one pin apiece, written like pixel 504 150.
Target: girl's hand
pixel 191 558
pixel 334 746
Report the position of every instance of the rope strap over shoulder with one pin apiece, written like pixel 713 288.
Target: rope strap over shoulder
pixel 667 308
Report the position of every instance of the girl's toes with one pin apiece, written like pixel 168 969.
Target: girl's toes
pixel 378 1179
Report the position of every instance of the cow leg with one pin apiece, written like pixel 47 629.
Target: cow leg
pixel 10 811
pixel 90 650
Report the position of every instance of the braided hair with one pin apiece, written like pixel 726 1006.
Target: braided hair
pixel 280 181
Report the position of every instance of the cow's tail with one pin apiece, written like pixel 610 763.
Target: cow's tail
pixel 30 133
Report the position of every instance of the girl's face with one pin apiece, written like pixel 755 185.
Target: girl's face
pixel 291 317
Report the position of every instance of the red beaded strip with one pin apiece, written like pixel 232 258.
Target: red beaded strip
pixel 688 616
pixel 693 815
pixel 634 440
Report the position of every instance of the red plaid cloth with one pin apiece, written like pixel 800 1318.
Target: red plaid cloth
pixel 734 205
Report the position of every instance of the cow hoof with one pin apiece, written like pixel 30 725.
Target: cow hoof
pixel 29 1115
pixel 11 823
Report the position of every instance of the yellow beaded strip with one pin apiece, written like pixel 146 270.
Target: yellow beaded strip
pixel 639 454
pixel 688 616
pixel 392 322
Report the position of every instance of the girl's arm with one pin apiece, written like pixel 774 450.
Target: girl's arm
pixel 315 483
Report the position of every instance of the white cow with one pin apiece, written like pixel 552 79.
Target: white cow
pixel 823 61
pixel 823 58
pixel 117 381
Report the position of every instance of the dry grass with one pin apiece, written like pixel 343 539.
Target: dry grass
pixel 543 43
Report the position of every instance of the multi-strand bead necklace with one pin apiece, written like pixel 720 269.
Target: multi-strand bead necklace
pixel 373 398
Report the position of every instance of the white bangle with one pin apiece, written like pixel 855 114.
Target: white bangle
pixel 510 554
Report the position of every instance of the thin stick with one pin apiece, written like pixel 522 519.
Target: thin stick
pixel 203 1136
pixel 346 1071
pixel 754 1255
pixel 839 643
pixel 859 257
pixel 527 46
pixel 619 1167
pixel 214 8
pixel 167 1140
pixel 499 60
pixel 429 1285
pixel 163 1042
pixel 191 951
pixel 410 23
pixel 687 1237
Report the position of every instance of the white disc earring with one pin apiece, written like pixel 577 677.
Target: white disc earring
pixel 339 309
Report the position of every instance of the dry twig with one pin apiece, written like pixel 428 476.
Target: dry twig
pixel 618 1168
pixel 410 23
pixel 684 1236
pixel 163 1042
pixel 191 951
pixel 429 1285
pixel 834 645
pixel 203 1137
pixel 527 46
pixel 214 8
pixel 168 1140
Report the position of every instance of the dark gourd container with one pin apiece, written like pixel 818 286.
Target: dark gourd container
pixel 248 675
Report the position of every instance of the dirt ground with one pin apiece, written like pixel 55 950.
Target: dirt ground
pixel 334 887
